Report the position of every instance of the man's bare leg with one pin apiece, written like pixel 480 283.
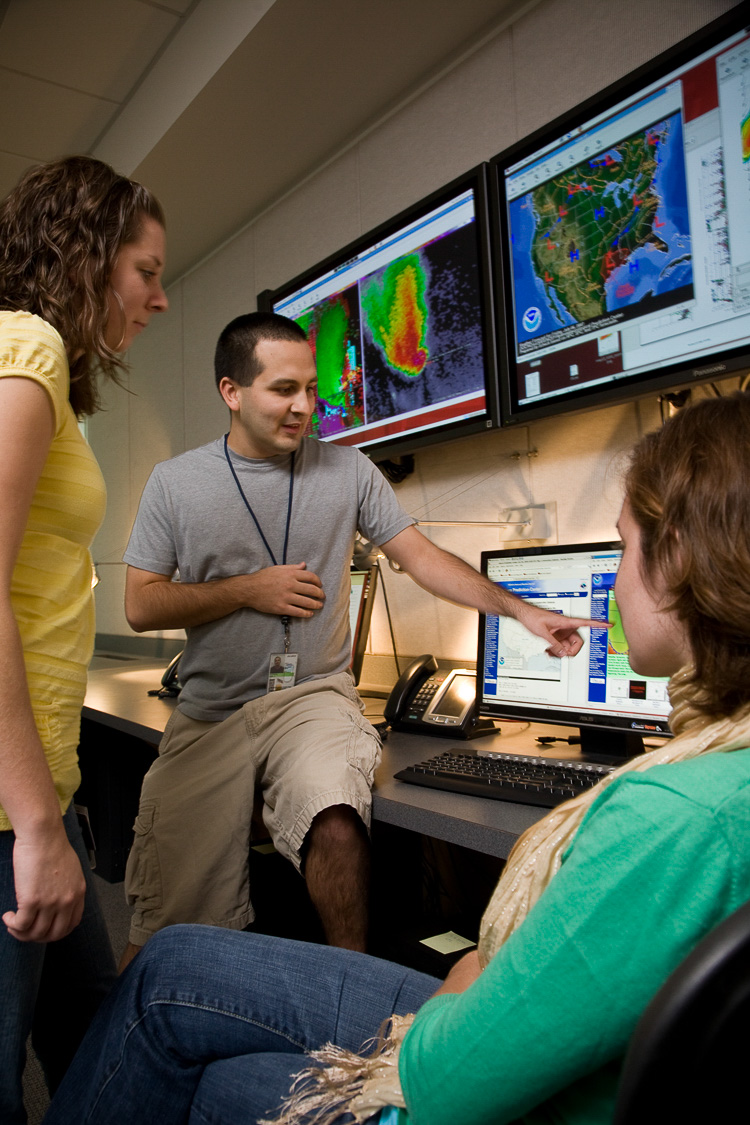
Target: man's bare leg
pixel 337 871
pixel 128 955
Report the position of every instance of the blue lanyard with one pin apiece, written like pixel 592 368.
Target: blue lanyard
pixel 252 513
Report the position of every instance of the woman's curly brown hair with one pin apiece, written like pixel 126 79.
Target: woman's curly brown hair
pixel 688 487
pixel 61 229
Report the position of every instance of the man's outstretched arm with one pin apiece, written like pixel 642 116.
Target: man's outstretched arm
pixel 154 601
pixel 452 579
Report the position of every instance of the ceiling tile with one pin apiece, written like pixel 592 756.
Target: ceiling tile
pixel 286 100
pixel 11 170
pixel 40 121
pixel 99 47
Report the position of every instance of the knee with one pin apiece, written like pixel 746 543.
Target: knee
pixel 337 827
pixel 168 954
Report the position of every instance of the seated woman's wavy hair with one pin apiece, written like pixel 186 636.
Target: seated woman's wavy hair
pixel 61 229
pixel 688 486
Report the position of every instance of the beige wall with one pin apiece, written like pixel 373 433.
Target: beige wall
pixel 551 57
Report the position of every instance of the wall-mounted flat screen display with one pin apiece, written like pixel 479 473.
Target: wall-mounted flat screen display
pixel 623 235
pixel 400 324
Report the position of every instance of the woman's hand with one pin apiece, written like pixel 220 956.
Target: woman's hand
pixel 50 888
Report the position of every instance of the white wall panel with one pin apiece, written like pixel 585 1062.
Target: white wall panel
pixel 219 290
pixel 466 117
pixel 566 50
pixel 109 437
pixel 309 224
pixel 156 408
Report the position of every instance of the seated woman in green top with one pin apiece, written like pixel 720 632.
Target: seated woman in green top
pixel 599 901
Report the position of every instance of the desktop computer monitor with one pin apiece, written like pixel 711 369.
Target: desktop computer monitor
pixel 596 690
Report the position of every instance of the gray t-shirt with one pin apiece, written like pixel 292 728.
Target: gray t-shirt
pixel 192 518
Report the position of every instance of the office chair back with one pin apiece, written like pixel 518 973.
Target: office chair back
pixel 688 1057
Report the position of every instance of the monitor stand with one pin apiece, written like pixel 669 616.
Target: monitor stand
pixel 612 747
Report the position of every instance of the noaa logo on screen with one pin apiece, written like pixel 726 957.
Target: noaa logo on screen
pixel 532 319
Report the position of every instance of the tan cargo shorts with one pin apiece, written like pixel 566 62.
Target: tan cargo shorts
pixel 305 749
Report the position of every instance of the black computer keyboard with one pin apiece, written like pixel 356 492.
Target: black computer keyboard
pixel 506 777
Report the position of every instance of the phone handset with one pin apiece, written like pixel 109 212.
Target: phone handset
pixel 407 687
pixel 428 701
pixel 170 681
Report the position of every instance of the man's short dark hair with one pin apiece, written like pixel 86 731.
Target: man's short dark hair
pixel 235 357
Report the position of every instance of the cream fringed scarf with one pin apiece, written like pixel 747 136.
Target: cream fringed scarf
pixel 362 1085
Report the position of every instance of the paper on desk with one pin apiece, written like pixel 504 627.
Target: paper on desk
pixel 448 943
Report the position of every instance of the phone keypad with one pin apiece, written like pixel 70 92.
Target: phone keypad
pixel 423 697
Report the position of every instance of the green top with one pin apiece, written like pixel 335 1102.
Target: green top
pixel 659 860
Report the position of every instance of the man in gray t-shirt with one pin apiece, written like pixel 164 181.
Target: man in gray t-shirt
pixel 260 526
pixel 192 516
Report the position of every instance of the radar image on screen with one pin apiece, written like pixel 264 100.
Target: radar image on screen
pixel 609 233
pixel 405 337
pixel 333 330
pixel 421 326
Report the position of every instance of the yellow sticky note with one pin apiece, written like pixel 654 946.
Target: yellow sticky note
pixel 448 943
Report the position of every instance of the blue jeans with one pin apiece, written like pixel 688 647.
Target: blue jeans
pixel 210 1025
pixel 50 991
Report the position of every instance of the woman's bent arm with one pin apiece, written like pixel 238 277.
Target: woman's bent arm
pixel 49 882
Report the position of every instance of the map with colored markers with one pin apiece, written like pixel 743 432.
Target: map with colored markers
pixel 523 653
pixel 605 234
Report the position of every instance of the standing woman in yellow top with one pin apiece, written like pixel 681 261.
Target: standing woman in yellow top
pixel 81 259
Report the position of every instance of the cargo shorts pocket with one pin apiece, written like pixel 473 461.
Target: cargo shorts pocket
pixel 143 884
pixel 363 750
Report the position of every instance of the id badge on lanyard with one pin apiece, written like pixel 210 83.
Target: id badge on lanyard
pixel 282 666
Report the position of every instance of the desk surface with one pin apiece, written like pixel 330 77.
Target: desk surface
pixel 117 697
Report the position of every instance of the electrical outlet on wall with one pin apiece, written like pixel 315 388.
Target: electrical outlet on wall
pixel 532 523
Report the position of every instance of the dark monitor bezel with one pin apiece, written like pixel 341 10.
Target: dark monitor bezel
pixel 361 630
pixel 711 366
pixel 607 731
pixel 398 444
